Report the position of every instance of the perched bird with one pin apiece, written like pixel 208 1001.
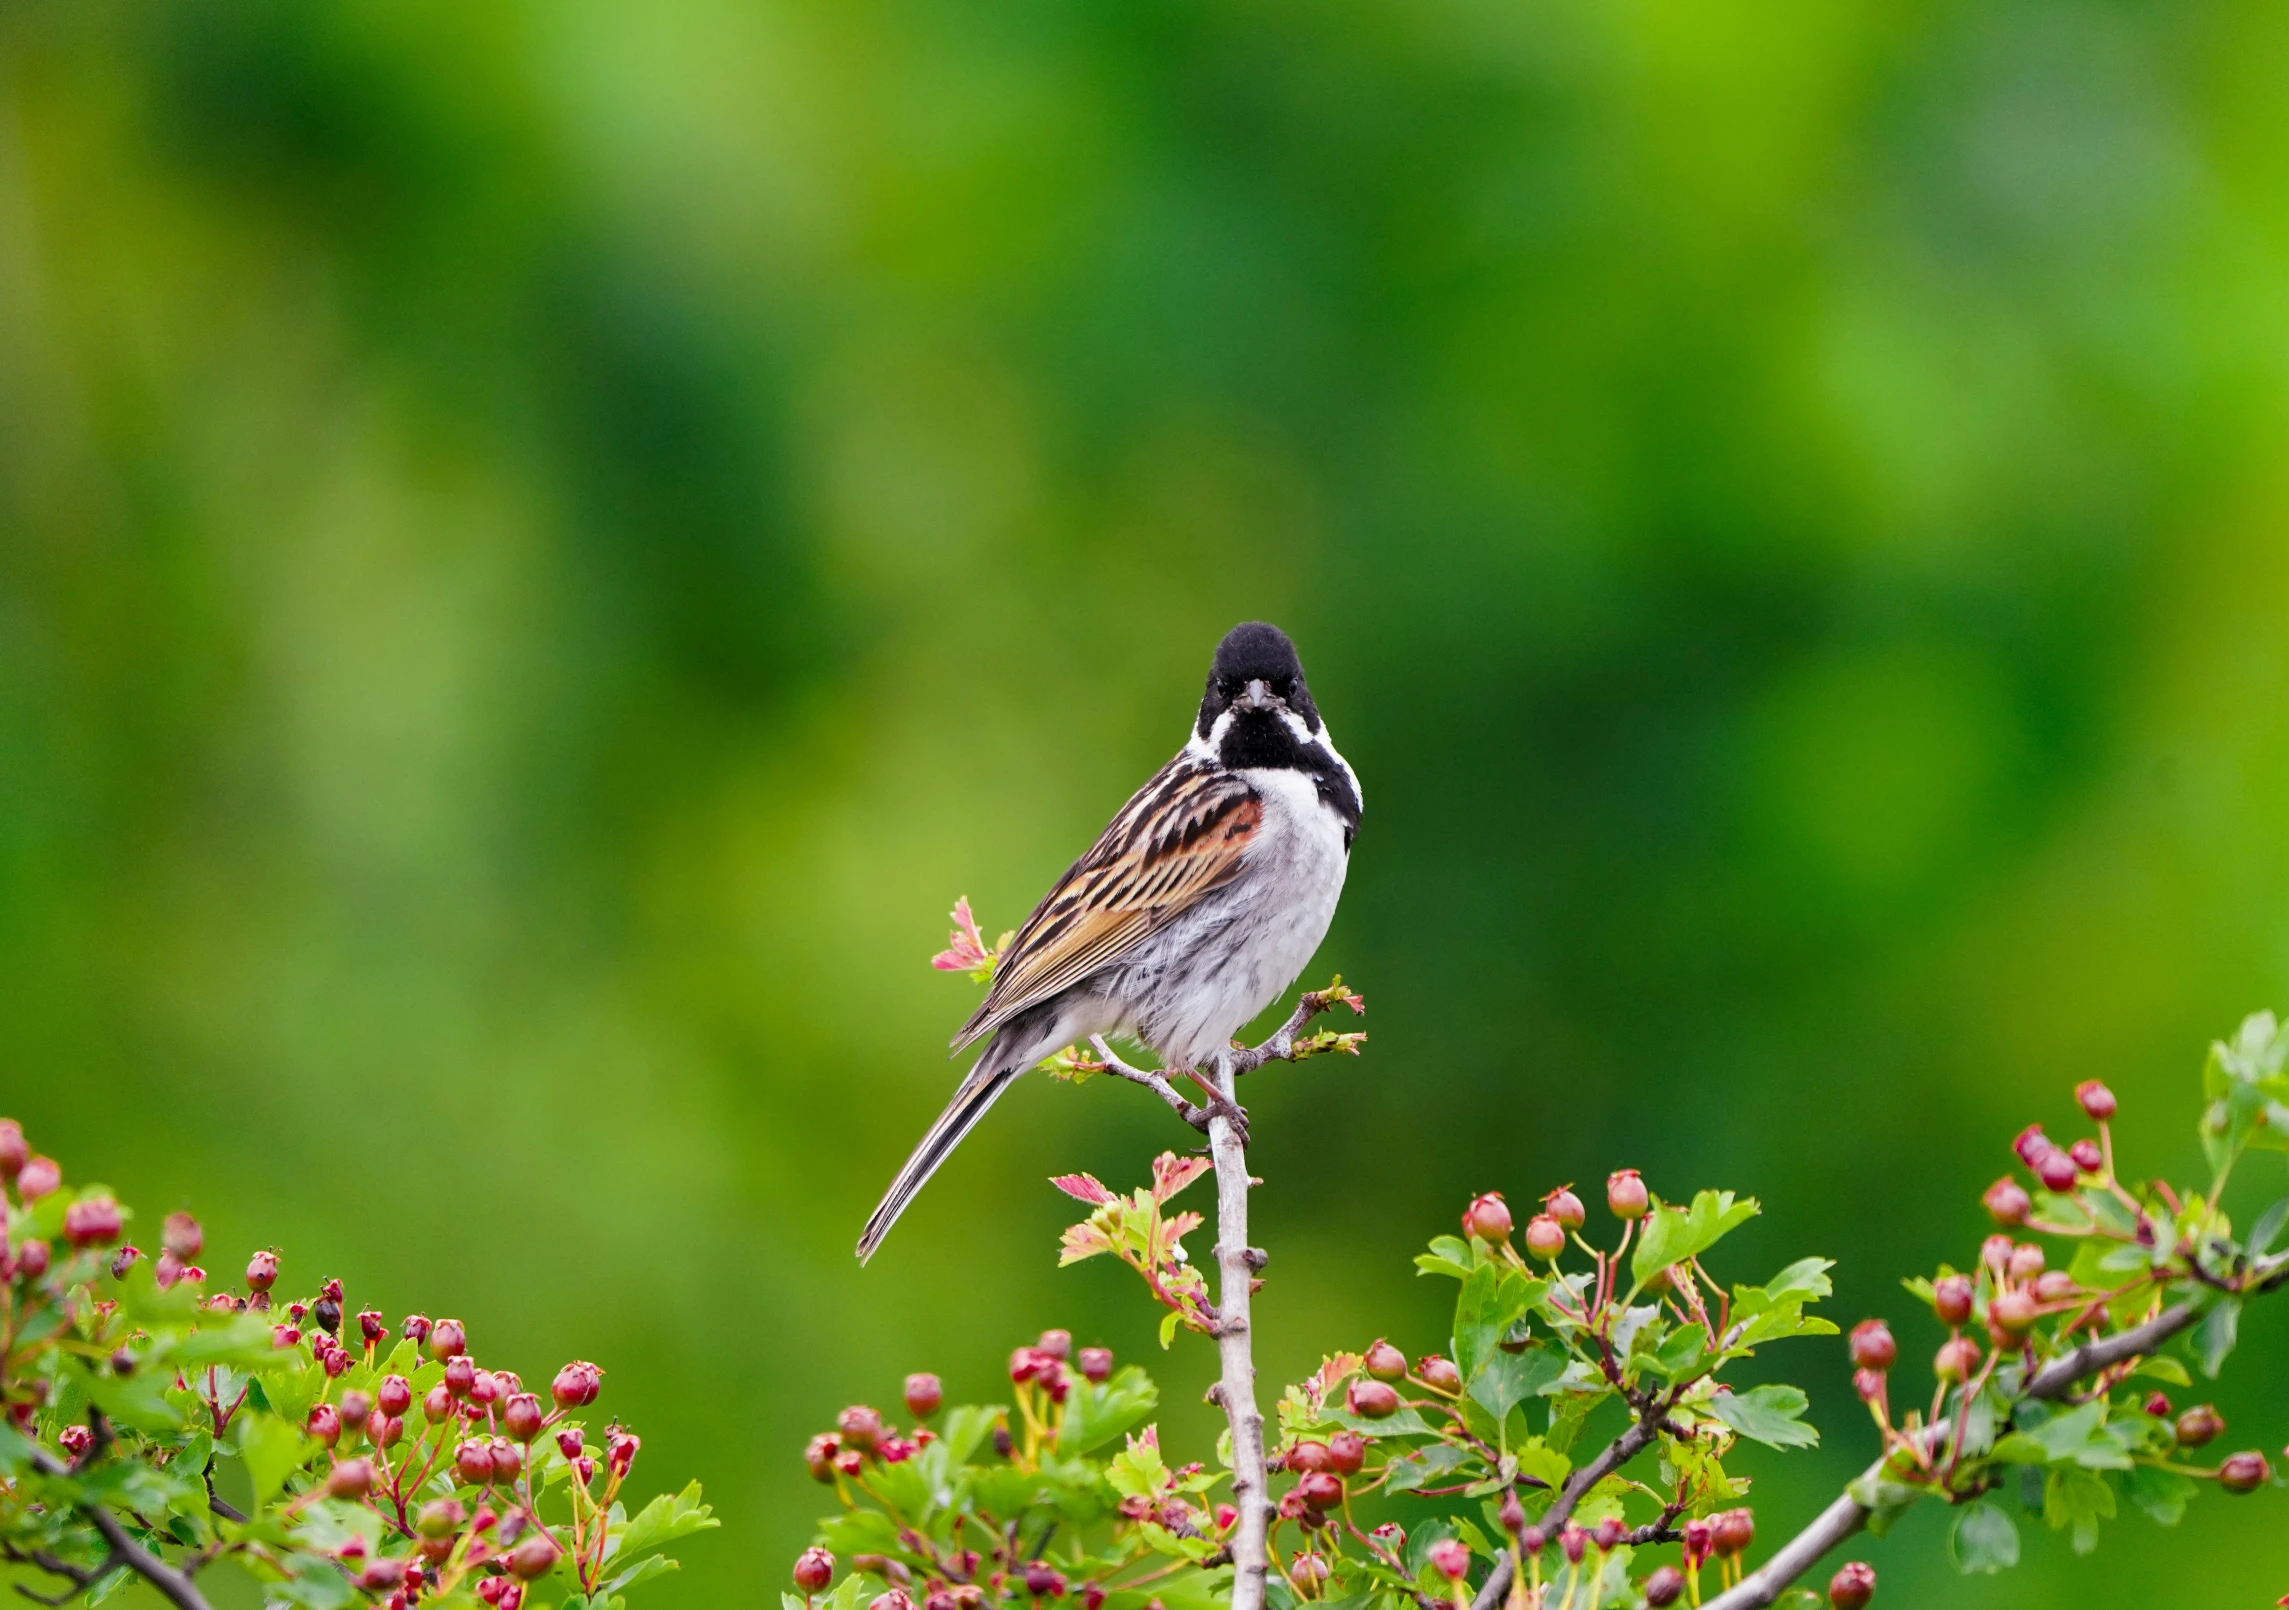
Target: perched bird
pixel 1192 912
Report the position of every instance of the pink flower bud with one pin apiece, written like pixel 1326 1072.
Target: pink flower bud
pixel 2096 1099
pixel 1451 1557
pixel 1951 1298
pixel 1565 1207
pixel 262 1271
pixel 1872 1345
pixel 576 1385
pixel 1853 1586
pixel 1096 1365
pixel 14 1153
pixel 534 1556
pixel 394 1395
pixel 1545 1237
pixel 438 1405
pixel 38 1177
pixel 621 1450
pixel 350 1478
pixel 447 1339
pixel 2007 1201
pixel 521 1416
pixel 32 1259
pixel 182 1236
pixel 325 1423
pixel 924 1395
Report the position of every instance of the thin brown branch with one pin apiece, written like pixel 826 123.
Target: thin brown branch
pixel 173 1584
pixel 1847 1515
pixel 1640 1436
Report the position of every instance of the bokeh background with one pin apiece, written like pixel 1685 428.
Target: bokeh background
pixel 542 545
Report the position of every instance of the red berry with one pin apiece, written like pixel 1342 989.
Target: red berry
pixel 121 1263
pixel 474 1462
pixel 2096 1099
pixel 1346 1452
pixel 576 1385
pixel 1700 1541
pixel 814 1569
pixel 1512 1513
pixel 485 1388
pixel 75 1440
pixel 1626 1195
pixel 2054 1286
pixel 1853 1586
pixel 2007 1201
pixel 351 1478
pixel 1869 1384
pixel 325 1423
pixel 92 1221
pixel 416 1328
pixel 384 1429
pixel 508 1459
pixel 1608 1534
pixel 1372 1400
pixel 2200 1424
pixel 1043 1581
pixel 1452 1558
pixel 2030 1143
pixel 1956 1360
pixel 620 1450
pixel 356 1408
pixel 861 1427
pixel 32 1259
pixel 818 1454
pixel 38 1177
pixel 1545 1237
pixel 394 1395
pixel 2025 1261
pixel 1438 1373
pixel 448 1339
pixel 1096 1365
pixel 1058 1344
pixel 1872 1345
pixel 2087 1156
pixel 2057 1170
pixel 1732 1532
pixel 534 1556
pixel 1385 1362
pixel 14 1153
pixel 1565 1207
pixel 371 1326
pixel 1664 1586
pixel 460 1374
pixel 182 1236
pixel 2013 1311
pixel 521 1416
pixel 923 1395
pixel 438 1405
pixel 1574 1543
pixel 2244 1473
pixel 1487 1217
pixel 1321 1489
pixel 1308 1455
pixel 1951 1297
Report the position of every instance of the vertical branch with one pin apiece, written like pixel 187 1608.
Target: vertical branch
pixel 1236 1266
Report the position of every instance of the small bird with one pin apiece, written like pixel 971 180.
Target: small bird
pixel 1192 912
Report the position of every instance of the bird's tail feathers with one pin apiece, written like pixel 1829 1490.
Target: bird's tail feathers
pixel 988 1078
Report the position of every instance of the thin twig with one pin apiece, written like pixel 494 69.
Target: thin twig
pixel 1641 1435
pixel 1151 1078
pixel 1236 1383
pixel 172 1583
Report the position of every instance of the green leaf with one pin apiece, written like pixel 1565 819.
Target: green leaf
pixel 2160 1494
pixel 1671 1235
pixel 2214 1336
pixel 1424 1467
pixel 661 1522
pixel 2268 1227
pixel 1983 1540
pixel 1805 1280
pixel 1449 1255
pixel 2080 1436
pixel 272 1449
pixel 2162 1367
pixel 1767 1414
pixel 1097 1414
pixel 1491 1299
pixel 2080 1499
pixel 1506 1380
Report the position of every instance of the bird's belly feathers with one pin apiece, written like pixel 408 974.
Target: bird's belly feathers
pixel 1190 987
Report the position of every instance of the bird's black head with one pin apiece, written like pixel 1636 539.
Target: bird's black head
pixel 1256 668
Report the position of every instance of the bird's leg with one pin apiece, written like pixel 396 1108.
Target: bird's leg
pixel 1218 1104
pixel 1153 1080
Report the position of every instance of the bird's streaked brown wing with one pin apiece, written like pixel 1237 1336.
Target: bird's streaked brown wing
pixel 1178 837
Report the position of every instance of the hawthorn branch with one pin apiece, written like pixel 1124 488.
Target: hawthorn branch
pixel 1151 1078
pixel 1847 1514
pixel 1652 1420
pixel 125 1551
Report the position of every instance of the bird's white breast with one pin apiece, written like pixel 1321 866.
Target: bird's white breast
pixel 1197 982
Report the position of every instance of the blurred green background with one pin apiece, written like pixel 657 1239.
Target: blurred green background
pixel 541 546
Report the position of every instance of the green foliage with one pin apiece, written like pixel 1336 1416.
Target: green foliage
pixel 291 1438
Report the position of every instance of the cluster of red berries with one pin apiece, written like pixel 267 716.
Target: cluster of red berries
pixel 1488 1217
pixel 1320 1469
pixel 1376 1396
pixel 2059 1168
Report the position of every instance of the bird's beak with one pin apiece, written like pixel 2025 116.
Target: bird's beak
pixel 1256 696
